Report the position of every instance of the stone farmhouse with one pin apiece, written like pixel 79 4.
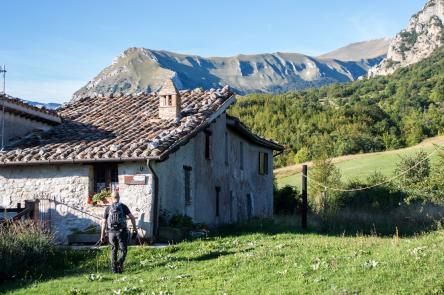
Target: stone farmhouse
pixel 167 153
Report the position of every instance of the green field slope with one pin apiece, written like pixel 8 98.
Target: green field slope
pixel 362 165
pixel 282 261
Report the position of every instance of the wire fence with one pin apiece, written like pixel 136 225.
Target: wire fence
pixel 391 179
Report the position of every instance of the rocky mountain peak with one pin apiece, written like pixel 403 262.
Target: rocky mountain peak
pixel 422 36
pixel 145 70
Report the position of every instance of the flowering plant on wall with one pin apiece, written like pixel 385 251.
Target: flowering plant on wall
pixel 90 200
pixel 100 197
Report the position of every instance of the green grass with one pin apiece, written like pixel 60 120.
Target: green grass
pixel 261 259
pixel 362 166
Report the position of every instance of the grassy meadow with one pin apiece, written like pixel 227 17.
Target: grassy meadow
pixel 259 258
pixel 362 165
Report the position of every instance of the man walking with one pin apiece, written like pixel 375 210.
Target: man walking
pixel 114 221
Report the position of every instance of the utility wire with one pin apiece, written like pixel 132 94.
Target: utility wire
pixel 437 148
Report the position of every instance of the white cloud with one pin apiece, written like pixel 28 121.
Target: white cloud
pixel 44 91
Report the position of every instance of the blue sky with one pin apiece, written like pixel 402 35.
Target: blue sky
pixel 52 48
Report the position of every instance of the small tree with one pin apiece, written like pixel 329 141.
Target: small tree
pixel 325 176
pixel 436 181
pixel 416 180
pixel 303 155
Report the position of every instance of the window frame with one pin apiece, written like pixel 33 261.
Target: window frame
pixel 110 173
pixel 263 168
pixel 226 148
pixel 241 155
pixel 187 185
pixel 207 144
pixel 217 201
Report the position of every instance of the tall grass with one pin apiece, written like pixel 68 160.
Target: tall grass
pixel 25 248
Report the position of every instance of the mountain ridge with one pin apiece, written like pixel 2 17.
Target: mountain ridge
pixel 145 70
pixel 360 50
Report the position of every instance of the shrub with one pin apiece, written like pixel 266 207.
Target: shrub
pixel 181 221
pixel 287 200
pixel 24 249
pixel 382 198
pixel 432 189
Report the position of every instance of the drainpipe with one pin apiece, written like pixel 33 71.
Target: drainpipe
pixel 155 201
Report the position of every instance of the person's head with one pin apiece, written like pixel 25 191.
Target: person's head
pixel 116 197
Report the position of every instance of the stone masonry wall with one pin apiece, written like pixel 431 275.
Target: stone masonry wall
pixel 67 187
pixel 138 198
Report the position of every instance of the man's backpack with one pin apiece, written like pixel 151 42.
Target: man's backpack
pixel 116 217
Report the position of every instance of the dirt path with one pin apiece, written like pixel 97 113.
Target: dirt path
pixel 293 169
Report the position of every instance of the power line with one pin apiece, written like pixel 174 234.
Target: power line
pixel 437 148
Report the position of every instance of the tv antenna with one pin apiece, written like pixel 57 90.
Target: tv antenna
pixel 3 72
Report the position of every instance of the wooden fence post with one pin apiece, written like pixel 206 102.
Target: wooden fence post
pixel 304 197
pixel 36 213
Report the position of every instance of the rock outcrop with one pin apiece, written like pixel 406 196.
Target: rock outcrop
pixel 423 35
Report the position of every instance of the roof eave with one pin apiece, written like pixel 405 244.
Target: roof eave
pixel 30 112
pixel 235 125
pixel 77 161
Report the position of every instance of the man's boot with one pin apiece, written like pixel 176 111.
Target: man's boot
pixel 119 267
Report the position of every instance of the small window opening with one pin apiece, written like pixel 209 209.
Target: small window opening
pixel 187 188
pixel 249 206
pixel 241 155
pixel 106 176
pixel 226 148
pixel 217 200
pixel 207 145
pixel 263 163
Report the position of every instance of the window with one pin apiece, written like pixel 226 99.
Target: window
pixel 249 206
pixel 207 144
pixel 106 177
pixel 170 100
pixel 241 148
pixel 187 188
pixel 226 148
pixel 263 163
pixel 217 200
pixel 231 207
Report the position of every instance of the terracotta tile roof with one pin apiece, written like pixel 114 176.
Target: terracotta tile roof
pixel 119 128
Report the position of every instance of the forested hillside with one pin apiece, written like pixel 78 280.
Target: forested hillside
pixel 368 115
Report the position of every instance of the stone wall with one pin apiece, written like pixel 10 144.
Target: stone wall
pixel 67 188
pixel 138 198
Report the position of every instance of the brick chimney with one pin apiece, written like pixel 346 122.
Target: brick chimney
pixel 169 104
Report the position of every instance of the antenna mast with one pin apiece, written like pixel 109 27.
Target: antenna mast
pixel 3 71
